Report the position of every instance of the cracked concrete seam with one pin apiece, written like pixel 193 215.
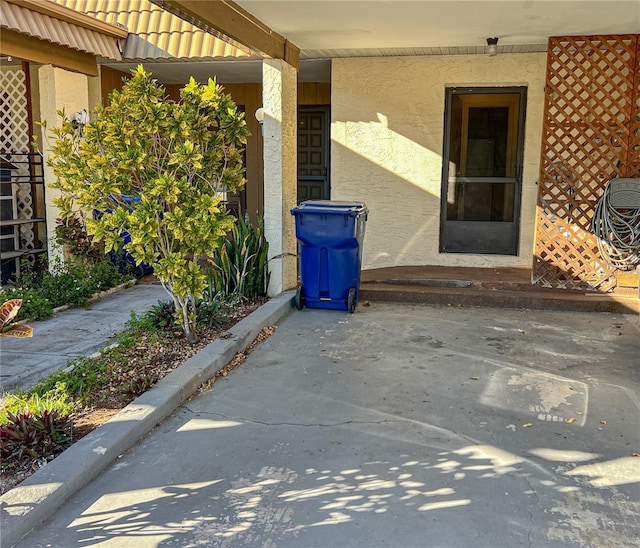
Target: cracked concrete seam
pixel 532 524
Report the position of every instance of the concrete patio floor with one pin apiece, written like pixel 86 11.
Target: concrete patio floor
pixel 400 425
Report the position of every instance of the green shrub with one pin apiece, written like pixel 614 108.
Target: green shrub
pixel 71 233
pixel 105 275
pixel 211 313
pixel 34 305
pixel 63 288
pixel 77 282
pixel 239 266
pixel 162 315
pixel 155 167
pixel 71 284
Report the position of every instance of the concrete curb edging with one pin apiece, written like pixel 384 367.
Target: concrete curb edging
pixel 35 499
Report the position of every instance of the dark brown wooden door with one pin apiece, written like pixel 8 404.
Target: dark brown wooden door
pixel 313 154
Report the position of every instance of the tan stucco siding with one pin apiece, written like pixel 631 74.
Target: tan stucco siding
pixel 58 90
pixel 387 141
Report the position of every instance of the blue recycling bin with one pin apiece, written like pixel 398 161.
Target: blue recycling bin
pixel 330 236
pixel 123 259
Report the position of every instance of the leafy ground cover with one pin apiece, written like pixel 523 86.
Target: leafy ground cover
pixel 71 403
pixel 72 284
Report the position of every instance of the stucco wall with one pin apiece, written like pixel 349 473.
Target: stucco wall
pixel 387 141
pixel 59 89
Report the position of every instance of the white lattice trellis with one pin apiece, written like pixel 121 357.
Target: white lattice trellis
pixel 14 136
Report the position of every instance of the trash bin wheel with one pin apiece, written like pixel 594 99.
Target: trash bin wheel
pixel 351 300
pixel 300 298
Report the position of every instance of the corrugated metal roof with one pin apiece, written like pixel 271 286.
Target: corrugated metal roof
pixel 154 32
pixel 57 31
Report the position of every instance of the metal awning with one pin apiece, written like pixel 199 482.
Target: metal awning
pixel 155 33
pixel 44 20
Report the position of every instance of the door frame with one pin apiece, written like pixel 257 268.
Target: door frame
pixel 326 109
pixel 495 229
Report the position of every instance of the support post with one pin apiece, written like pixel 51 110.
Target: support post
pixel 58 89
pixel 279 101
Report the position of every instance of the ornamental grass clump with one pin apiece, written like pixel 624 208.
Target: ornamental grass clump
pixel 156 169
pixel 240 267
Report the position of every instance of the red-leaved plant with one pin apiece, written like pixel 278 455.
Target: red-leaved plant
pixel 8 311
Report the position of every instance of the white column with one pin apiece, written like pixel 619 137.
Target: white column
pixel 279 101
pixel 58 89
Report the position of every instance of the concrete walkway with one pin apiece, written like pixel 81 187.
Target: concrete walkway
pixel 70 334
pixel 398 426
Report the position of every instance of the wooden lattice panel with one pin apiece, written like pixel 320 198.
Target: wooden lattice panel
pixel 633 162
pixel 591 134
pixel 573 264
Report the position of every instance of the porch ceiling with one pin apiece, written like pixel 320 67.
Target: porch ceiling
pixel 322 28
pixel 325 29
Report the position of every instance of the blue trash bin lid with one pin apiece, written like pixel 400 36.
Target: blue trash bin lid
pixel 331 207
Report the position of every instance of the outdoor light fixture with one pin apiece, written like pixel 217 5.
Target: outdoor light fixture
pixel 492 44
pixel 260 118
pixel 79 120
